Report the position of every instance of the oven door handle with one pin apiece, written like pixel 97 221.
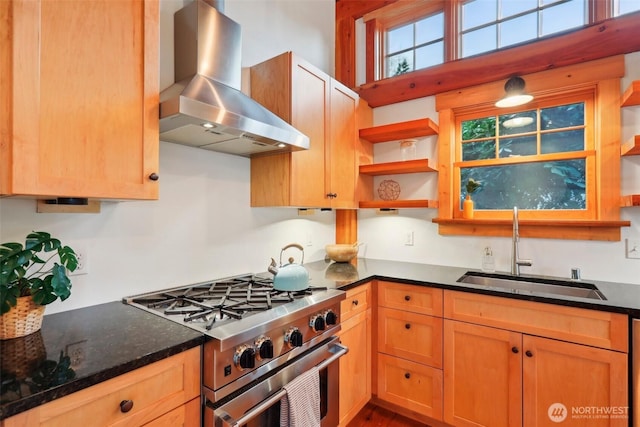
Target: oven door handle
pixel 338 351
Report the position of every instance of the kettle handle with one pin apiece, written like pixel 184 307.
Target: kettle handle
pixel 293 245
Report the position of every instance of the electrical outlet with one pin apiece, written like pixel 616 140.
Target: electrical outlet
pixel 408 238
pixel 632 248
pixel 83 262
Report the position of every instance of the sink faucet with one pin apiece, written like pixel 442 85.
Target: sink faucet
pixel 516 262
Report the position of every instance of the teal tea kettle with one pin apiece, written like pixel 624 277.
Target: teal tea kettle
pixel 290 277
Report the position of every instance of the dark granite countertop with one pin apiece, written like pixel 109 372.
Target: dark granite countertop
pixel 79 348
pixel 620 297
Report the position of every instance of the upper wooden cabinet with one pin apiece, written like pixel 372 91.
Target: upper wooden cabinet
pixel 323 109
pixel 79 99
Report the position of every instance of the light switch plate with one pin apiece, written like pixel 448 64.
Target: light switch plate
pixel 632 248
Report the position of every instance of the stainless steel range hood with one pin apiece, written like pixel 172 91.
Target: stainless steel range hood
pixel 205 107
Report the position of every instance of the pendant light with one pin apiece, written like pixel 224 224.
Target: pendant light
pixel 515 94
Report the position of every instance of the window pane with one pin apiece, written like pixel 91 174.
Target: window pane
pixel 430 55
pixel 479 150
pixel 545 185
pixel 510 7
pixel 430 29
pixel 400 38
pixel 479 128
pixel 519 29
pixel 563 17
pixel 519 146
pixel 562 116
pixel 626 6
pixel 559 142
pixel 523 122
pixel 399 64
pixel 479 41
pixel 478 12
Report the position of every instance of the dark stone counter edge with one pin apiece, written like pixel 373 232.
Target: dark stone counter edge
pixel 579 303
pixel 22 405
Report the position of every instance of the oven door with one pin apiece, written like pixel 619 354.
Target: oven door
pixel 258 404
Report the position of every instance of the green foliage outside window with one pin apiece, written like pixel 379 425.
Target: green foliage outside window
pixel 530 183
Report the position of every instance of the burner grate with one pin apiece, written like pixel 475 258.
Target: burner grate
pixel 226 299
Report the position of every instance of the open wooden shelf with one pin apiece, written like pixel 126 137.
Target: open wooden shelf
pixel 397 204
pixel 630 200
pixel 392 168
pixel 631 147
pixel 397 131
pixel 631 96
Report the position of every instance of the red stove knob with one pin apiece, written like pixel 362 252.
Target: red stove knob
pixel 317 323
pixel 293 338
pixel 264 345
pixel 330 317
pixel 244 357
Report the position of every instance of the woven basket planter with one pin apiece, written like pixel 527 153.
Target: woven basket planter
pixel 23 319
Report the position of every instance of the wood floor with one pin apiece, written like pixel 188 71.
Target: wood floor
pixel 372 415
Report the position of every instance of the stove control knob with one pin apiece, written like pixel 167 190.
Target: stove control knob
pixel 244 358
pixel 293 338
pixel 264 346
pixel 330 317
pixel 317 323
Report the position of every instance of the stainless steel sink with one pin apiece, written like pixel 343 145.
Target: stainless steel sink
pixel 533 285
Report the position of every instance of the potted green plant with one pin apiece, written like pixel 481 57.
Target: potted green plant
pixel 467 206
pixel 31 276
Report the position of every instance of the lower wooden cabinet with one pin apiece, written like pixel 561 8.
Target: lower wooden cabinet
pixel 512 362
pixel 413 386
pixel 164 393
pixel 409 349
pixel 355 366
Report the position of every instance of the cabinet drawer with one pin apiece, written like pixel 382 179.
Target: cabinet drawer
pixel 579 325
pixel 418 299
pixel 410 385
pixel 412 336
pixel 155 390
pixel 357 301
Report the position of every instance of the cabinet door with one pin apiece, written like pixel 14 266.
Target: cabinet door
pixel 482 376
pixel 573 384
pixel 355 366
pixel 341 153
pixel 310 115
pixel 84 105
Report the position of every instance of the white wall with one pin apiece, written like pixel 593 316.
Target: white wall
pixel 202 227
pixel 384 235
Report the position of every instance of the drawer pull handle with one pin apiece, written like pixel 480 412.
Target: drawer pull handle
pixel 126 406
pixel 528 353
pixel 354 302
pixel 515 349
pixel 407 297
pixel 407 375
pixel 154 177
pixel 407 326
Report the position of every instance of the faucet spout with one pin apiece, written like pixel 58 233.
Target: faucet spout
pixel 516 262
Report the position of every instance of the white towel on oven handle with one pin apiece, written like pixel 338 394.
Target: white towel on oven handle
pixel 300 407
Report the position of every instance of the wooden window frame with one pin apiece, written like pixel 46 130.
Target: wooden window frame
pixel 603 222
pixel 399 13
pixel 561 97
pixel 382 20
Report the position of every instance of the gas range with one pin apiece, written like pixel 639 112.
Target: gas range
pixel 252 328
